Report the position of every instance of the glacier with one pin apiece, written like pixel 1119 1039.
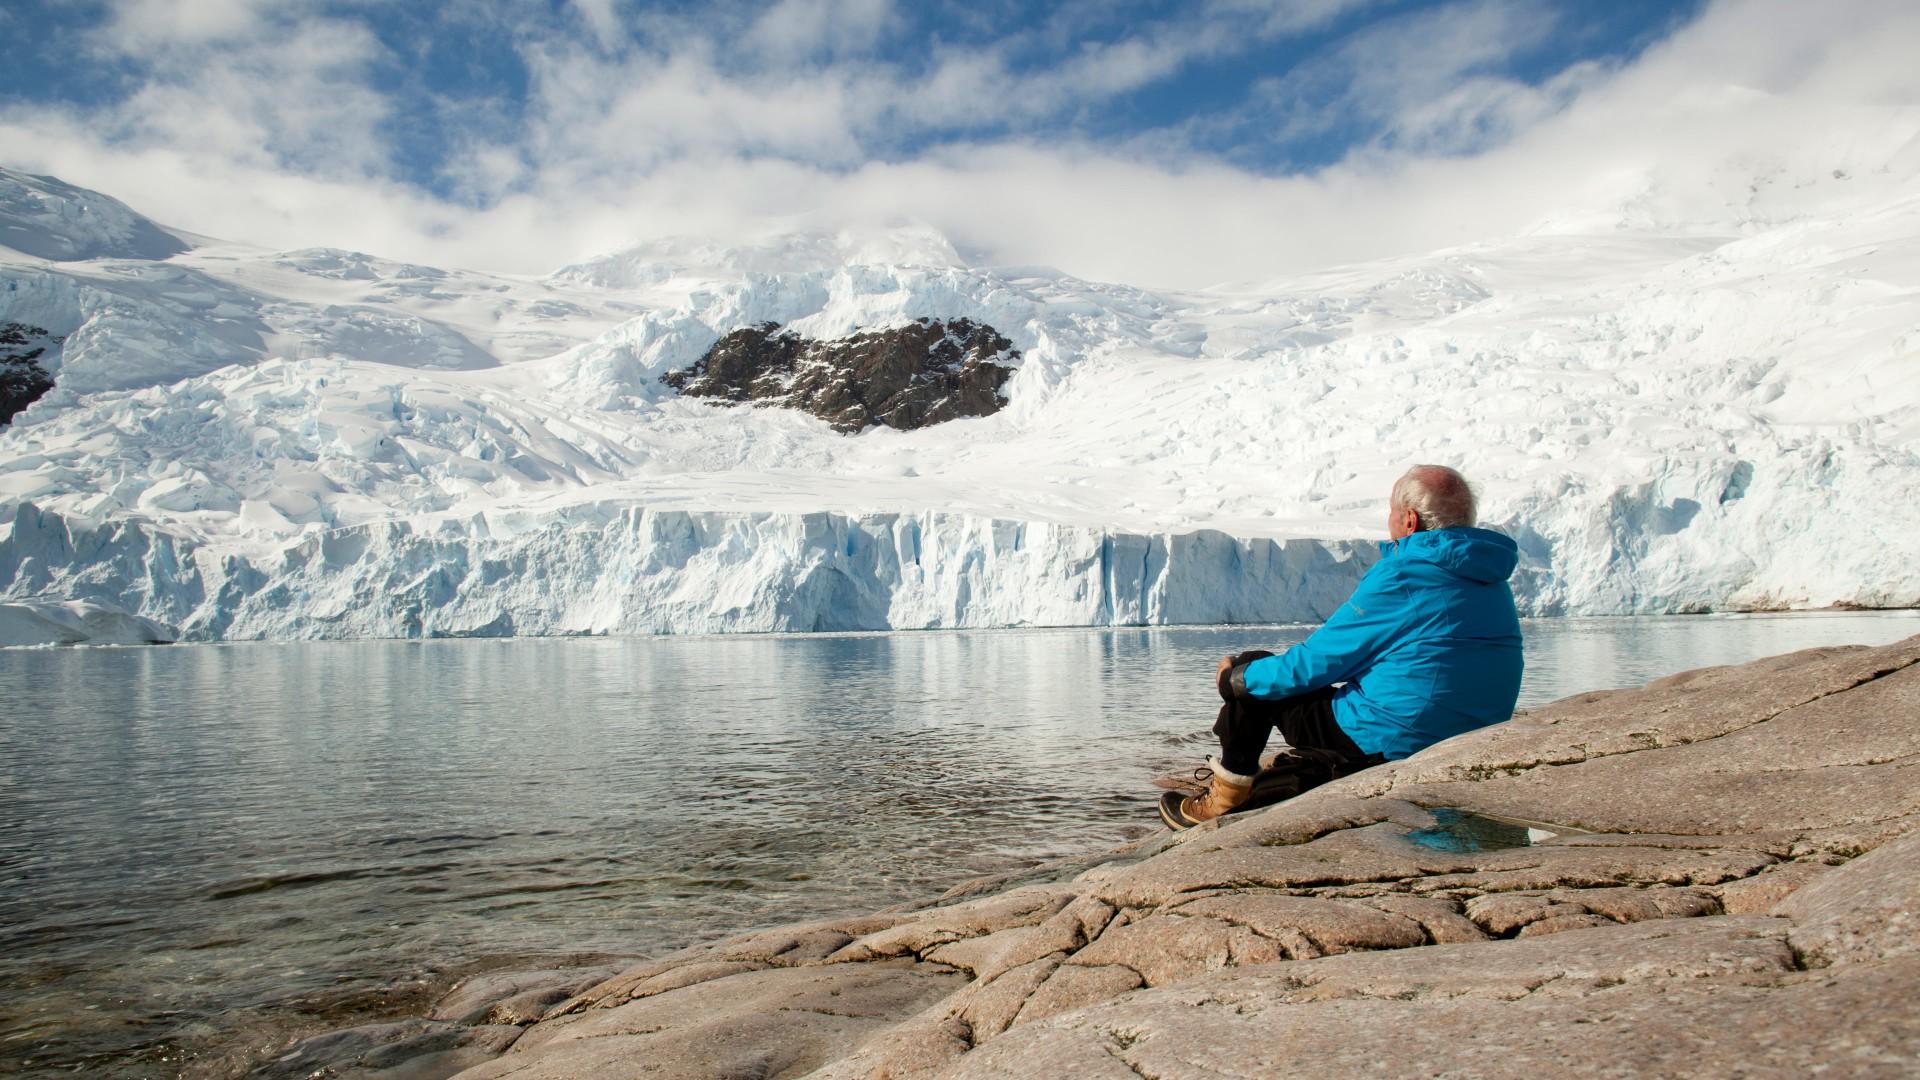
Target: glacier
pixel 625 569
pixel 245 443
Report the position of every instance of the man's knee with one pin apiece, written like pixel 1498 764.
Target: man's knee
pixel 1226 677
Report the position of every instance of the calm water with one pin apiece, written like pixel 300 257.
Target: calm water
pixel 204 848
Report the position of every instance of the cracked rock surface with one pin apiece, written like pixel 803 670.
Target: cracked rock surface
pixel 1653 882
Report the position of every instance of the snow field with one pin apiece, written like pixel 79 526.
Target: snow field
pixel 1665 421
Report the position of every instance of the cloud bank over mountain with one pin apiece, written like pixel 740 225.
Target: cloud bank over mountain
pixel 1164 145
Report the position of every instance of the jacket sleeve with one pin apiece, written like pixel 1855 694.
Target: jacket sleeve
pixel 1344 646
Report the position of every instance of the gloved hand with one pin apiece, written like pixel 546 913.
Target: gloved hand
pixel 1223 676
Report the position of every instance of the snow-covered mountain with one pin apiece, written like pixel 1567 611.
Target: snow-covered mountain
pixel 245 443
pixel 48 219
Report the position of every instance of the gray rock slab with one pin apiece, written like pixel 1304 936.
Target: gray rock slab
pixel 1670 1029
pixel 408 1050
pixel 1329 926
pixel 1339 860
pixel 1442 919
pixel 1065 931
pixel 1498 1008
pixel 802 944
pixel 771 1022
pixel 1077 985
pixel 1867 910
pixel 990 1006
pixel 1172 948
pixel 1761 893
pixel 779 947
pixel 974 918
pixel 915 1049
pixel 513 997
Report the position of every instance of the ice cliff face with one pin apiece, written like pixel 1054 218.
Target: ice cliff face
pixel 624 569
pixel 319 442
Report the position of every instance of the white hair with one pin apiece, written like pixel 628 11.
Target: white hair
pixel 1441 496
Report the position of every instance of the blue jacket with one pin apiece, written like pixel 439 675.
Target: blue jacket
pixel 1428 645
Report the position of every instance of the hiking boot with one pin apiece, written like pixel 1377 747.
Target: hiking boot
pixel 1225 792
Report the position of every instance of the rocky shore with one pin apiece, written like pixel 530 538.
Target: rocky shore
pixel 1717 874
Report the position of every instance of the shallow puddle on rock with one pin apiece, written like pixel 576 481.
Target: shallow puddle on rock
pixel 1464 830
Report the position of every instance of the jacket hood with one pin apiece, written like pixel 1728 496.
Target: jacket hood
pixel 1475 554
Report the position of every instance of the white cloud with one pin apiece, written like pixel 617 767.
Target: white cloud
pixel 800 29
pixel 1477 112
pixel 245 80
pixel 602 20
pixel 1289 16
pixel 1414 75
pixel 660 139
pixel 136 25
pixel 595 117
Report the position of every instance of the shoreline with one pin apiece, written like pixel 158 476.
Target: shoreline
pixel 1829 611
pixel 1681 834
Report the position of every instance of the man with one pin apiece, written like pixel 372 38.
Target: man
pixel 1427 647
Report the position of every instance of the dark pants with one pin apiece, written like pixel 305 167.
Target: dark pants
pixel 1305 721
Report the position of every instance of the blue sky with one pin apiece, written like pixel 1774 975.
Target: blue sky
pixel 519 133
pixel 1273 87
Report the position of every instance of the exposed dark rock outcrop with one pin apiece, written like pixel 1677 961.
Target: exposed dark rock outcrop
pixel 22 379
pixel 906 377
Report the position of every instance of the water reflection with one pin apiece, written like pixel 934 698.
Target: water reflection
pixel 1461 831
pixel 202 838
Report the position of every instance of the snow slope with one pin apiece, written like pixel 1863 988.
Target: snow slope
pixel 49 219
pixel 323 443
